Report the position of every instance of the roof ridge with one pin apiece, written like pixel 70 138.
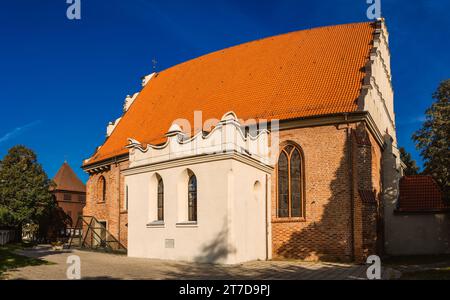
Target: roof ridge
pixel 266 38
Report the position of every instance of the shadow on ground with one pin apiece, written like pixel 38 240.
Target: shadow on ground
pixel 265 271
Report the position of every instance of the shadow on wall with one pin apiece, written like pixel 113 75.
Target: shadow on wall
pixel 328 233
pixel 217 250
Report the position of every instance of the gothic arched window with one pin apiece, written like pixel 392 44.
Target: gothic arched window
pixel 192 199
pixel 290 183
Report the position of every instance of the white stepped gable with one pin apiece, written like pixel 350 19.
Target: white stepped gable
pixel 112 126
pixel 147 78
pixel 129 101
pixel 226 137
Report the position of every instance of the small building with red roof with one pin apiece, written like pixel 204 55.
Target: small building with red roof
pixel 69 192
pixel 421 194
pixel 418 223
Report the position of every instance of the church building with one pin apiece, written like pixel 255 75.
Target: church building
pixel 284 147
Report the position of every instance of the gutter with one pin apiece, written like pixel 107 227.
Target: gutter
pixel 106 162
pixel 352 192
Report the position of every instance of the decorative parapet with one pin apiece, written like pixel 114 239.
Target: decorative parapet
pixel 146 79
pixel 227 137
pixel 112 126
pixel 129 100
pixel 377 95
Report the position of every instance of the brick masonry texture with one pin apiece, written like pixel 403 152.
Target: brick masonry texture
pixel 74 207
pixel 112 210
pixel 367 174
pixel 326 231
pixel 336 226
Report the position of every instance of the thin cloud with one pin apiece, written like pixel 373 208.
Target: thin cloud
pixel 413 121
pixel 18 130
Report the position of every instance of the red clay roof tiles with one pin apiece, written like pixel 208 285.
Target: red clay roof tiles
pixel 67 180
pixel 295 75
pixel 421 194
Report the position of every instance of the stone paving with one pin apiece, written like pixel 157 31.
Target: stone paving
pixel 96 266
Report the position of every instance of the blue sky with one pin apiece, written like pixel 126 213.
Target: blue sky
pixel 62 80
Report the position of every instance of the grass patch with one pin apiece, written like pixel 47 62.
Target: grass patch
pixel 437 274
pixel 10 260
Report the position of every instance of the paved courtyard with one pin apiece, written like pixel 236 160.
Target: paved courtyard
pixel 110 266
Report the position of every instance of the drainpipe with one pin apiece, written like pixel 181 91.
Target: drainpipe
pixel 348 132
pixel 120 207
pixel 352 191
pixel 267 216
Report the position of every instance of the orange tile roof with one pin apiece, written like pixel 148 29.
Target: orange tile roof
pixel 299 74
pixel 421 194
pixel 67 180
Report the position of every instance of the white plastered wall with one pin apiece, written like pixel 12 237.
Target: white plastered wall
pixel 232 206
pixel 231 225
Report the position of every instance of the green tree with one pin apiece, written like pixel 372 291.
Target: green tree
pixel 5 216
pixel 411 166
pixel 24 188
pixel 433 139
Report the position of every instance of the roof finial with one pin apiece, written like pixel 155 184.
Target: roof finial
pixel 154 63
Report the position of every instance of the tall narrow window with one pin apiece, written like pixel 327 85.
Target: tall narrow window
pixel 295 173
pixel 126 198
pixel 101 189
pixel 192 199
pixel 290 183
pixel 283 186
pixel 160 199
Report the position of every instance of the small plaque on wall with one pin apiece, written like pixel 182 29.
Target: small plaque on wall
pixel 170 244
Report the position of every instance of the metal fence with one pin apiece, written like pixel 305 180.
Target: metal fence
pixel 7 236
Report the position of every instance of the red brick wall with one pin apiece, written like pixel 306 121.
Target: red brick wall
pixel 326 232
pixel 74 206
pixel 338 164
pixel 112 210
pixel 367 158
